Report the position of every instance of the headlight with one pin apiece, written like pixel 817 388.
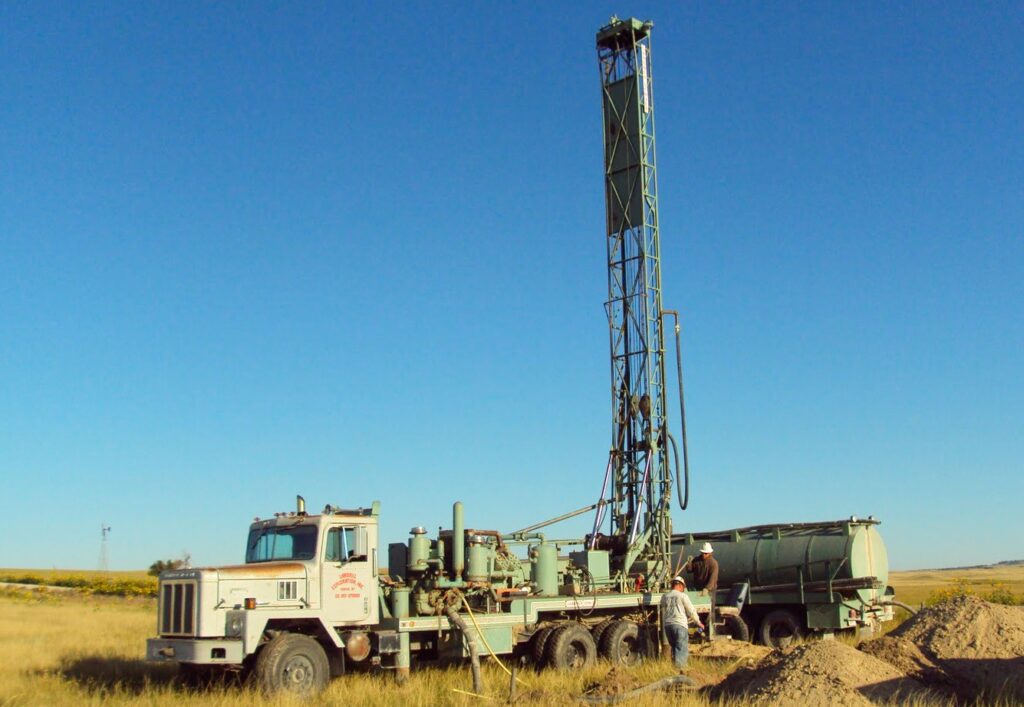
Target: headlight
pixel 235 624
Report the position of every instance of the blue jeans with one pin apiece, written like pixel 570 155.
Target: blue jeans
pixel 679 638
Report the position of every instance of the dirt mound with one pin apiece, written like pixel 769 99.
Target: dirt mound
pixel 967 644
pixel 615 682
pixel 731 651
pixel 820 673
pixel 907 657
pixel 967 627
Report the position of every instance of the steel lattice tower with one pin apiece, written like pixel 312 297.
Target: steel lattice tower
pixel 638 466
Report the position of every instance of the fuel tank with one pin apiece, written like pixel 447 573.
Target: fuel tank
pixel 778 557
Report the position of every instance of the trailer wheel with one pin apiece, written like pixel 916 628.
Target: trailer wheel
pixel 571 647
pixel 735 628
pixel 621 643
pixel 292 663
pixel 538 645
pixel 779 629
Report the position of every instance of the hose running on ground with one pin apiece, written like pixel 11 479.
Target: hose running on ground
pixel 487 645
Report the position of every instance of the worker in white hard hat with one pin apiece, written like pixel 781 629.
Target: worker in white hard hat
pixel 676 613
pixel 705 574
pixel 704 570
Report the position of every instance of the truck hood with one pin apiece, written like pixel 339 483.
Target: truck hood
pixel 259 570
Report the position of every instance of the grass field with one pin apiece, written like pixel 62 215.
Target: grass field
pixel 74 649
pixel 916 587
pixel 79 648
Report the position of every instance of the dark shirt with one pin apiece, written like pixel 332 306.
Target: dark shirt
pixel 705 573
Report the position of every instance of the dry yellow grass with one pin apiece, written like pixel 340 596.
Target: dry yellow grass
pixel 916 586
pixel 73 650
pixel 85 574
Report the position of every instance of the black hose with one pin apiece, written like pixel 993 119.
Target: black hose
pixel 685 500
pixel 679 483
pixel 901 605
pixel 672 681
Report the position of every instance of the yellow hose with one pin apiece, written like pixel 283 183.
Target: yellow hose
pixel 487 645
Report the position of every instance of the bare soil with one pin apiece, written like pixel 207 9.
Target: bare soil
pixel 965 647
pixel 820 673
pixel 615 682
pixel 964 650
pixel 728 650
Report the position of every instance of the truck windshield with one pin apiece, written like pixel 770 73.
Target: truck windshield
pixel 295 542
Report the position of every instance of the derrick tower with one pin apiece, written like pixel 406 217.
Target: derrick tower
pixel 638 466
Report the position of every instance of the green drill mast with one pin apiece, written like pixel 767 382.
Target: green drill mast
pixel 638 465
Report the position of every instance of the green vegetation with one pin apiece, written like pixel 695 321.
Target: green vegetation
pixel 997 593
pixel 122 585
pixel 163 565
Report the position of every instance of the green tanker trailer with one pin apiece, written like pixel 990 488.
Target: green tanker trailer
pixel 792 579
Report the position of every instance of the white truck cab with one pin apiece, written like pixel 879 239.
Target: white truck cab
pixel 316 574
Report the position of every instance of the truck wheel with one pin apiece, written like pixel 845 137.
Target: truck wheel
pixel 571 647
pixel 292 663
pixel 735 628
pixel 538 646
pixel 779 629
pixel 621 643
pixel 599 630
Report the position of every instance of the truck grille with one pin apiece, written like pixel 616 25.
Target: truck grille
pixel 177 608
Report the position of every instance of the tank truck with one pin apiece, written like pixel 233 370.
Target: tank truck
pixel 794 579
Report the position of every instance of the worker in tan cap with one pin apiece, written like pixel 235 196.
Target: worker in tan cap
pixel 676 613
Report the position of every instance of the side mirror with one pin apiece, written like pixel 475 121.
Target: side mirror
pixel 361 549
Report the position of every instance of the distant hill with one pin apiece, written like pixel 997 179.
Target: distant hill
pixel 995 565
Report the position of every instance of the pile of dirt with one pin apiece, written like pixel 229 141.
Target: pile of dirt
pixel 966 645
pixel 967 627
pixel 819 673
pixel 729 650
pixel 616 682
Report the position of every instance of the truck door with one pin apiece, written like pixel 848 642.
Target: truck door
pixel 349 577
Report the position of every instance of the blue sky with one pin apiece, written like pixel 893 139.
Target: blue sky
pixel 356 252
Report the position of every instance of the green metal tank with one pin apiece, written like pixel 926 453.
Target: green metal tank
pixel 851 552
pixel 419 550
pixel 544 568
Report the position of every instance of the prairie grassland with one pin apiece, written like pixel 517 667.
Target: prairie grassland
pixel 83 574
pixel 75 649
pixel 135 583
pixel 916 587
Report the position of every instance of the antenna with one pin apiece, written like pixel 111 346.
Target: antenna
pixel 104 556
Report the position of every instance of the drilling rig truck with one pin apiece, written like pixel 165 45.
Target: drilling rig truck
pixel 313 599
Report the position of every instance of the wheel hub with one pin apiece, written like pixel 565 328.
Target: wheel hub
pixel 298 672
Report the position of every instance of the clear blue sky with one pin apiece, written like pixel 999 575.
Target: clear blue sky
pixel 356 252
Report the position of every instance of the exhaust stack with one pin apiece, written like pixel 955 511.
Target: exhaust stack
pixel 300 505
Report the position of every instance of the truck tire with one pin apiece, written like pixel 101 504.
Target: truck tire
pixel 292 663
pixel 538 646
pixel 735 628
pixel 621 643
pixel 571 647
pixel 779 629
pixel 599 630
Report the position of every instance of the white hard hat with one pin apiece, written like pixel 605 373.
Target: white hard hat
pixel 679 579
pixel 706 547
